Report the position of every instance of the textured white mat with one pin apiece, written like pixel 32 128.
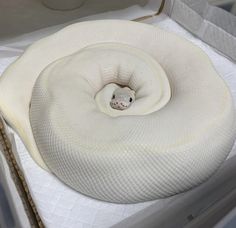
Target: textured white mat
pixel 58 205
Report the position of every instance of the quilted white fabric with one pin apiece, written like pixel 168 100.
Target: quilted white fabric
pixel 128 159
pixel 60 206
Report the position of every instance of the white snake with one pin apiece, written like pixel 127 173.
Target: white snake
pixel 155 148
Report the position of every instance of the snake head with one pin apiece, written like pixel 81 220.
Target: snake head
pixel 122 98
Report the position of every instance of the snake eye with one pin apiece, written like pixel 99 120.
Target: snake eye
pixel 113 97
pixel 130 100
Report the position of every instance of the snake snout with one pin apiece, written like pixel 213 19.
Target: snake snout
pixel 119 105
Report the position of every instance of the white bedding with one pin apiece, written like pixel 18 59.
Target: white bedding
pixel 60 206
